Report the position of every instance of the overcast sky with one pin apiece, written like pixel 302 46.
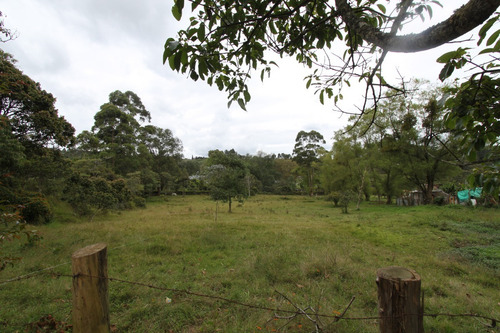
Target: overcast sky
pixel 82 50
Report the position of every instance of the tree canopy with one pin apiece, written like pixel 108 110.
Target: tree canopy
pixel 339 40
pixel 343 42
pixel 29 110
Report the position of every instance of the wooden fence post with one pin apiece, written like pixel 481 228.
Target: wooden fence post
pixel 399 300
pixel 90 290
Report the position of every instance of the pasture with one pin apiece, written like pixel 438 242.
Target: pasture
pixel 270 247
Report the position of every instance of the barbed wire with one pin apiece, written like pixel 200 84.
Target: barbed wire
pixel 43 270
pixel 308 312
pixel 33 274
pixel 296 312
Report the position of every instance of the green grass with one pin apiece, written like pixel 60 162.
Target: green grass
pixel 301 247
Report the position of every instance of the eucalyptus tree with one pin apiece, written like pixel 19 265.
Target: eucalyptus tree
pixel 306 153
pixel 117 126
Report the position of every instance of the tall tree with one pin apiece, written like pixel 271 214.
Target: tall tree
pixel 306 153
pixel 33 119
pixel 343 171
pixel 412 139
pixel 117 126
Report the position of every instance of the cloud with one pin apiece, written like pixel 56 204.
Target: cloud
pixel 82 50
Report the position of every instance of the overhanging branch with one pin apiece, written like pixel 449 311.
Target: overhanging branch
pixel 466 18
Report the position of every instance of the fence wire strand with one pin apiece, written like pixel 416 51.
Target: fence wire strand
pixel 278 310
pixel 296 312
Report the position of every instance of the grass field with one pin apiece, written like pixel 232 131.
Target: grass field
pixel 300 247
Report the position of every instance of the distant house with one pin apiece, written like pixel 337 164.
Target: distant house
pixel 416 198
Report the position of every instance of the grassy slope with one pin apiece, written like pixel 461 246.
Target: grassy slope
pixel 301 247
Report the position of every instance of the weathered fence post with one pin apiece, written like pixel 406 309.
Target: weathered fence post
pixel 399 300
pixel 90 289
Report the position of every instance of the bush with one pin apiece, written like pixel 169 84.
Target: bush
pixel 89 195
pixel 139 202
pixel 333 197
pixel 36 210
pixel 439 200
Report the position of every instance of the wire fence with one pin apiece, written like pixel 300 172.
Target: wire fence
pixel 309 313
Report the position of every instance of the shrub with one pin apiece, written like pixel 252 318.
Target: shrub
pixel 36 210
pixel 139 202
pixel 333 197
pixel 439 200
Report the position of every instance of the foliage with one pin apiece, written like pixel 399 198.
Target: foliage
pixel 344 199
pixel 407 145
pixel 342 169
pixel 12 227
pixel 339 41
pixel 306 153
pixel 89 195
pixel 225 175
pixel 473 105
pixel 36 210
pixel 29 109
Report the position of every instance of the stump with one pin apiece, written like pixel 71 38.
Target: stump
pixel 399 300
pixel 90 290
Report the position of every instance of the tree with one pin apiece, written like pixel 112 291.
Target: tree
pixel 225 175
pixel 343 170
pixel 164 152
pixel 227 40
pixel 474 110
pixel 341 42
pixel 306 153
pixel 29 110
pixel 263 172
pixel 286 182
pixel 117 126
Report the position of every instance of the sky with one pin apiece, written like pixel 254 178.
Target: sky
pixel 82 50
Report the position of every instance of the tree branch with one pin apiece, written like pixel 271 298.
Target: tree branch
pixel 466 18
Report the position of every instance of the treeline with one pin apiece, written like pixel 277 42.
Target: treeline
pixel 117 164
pixel 403 144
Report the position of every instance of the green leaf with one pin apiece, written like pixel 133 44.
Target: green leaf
pixel 171 62
pixel 493 38
pixel 322 97
pixel 194 76
pixel 443 59
pixel 176 13
pixel 488 50
pixel 446 71
pixel 247 96
pixel 241 102
pixel 484 29
pixel 201 33
pixel 382 8
pixel 184 57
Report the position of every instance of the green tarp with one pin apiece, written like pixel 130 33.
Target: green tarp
pixel 467 194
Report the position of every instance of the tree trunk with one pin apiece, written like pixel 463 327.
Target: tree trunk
pixel 360 190
pixel 229 202
pixel 399 300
